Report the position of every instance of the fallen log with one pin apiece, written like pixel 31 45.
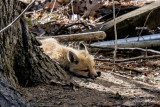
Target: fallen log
pixel 133 42
pixel 127 23
pixel 89 36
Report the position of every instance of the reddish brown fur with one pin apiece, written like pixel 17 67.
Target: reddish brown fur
pixel 78 62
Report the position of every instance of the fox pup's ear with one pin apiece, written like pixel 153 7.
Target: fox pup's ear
pixel 82 46
pixel 72 57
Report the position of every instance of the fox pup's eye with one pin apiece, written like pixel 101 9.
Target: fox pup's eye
pixel 76 62
pixel 86 70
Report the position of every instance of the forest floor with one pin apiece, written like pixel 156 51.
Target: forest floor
pixel 112 88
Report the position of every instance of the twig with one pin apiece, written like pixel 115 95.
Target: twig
pixel 62 8
pixel 140 57
pixel 97 52
pixel 18 16
pixel 129 59
pixel 64 27
pixel 101 17
pixel 56 11
pixel 72 7
pixel 144 24
pixel 115 31
pixel 77 24
pixel 105 60
pixel 141 49
pixel 118 10
pixel 53 6
pixel 134 70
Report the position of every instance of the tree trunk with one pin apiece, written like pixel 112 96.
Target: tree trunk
pixel 9 96
pixel 21 60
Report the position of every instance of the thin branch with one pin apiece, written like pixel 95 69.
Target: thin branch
pixel 105 60
pixel 72 7
pixel 140 57
pixel 56 11
pixel 101 17
pixel 115 31
pixel 129 59
pixel 62 8
pixel 144 24
pixel 53 6
pixel 18 16
pixel 65 27
pixel 141 49
pixel 134 70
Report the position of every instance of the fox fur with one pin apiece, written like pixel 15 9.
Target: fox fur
pixel 79 62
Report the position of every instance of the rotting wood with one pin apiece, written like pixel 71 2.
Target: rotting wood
pixel 90 36
pixel 127 23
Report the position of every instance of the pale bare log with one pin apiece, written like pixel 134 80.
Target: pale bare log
pixel 89 36
pixel 148 41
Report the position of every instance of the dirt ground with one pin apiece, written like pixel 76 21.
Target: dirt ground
pixel 113 88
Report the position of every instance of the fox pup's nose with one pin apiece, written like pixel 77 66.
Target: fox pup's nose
pixel 95 76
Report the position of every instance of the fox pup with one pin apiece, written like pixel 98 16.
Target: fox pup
pixel 79 62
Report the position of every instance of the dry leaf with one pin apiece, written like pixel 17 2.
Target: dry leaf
pixel 92 18
pixel 91 7
pixel 131 67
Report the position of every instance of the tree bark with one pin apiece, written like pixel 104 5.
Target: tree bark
pixel 21 60
pixel 9 96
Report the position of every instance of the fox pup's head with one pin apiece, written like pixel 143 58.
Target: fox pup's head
pixel 81 63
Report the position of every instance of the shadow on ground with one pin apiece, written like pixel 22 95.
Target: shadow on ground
pixel 111 89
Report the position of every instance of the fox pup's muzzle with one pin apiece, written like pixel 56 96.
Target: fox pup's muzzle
pixel 95 76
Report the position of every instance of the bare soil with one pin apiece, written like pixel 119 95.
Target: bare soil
pixel 113 88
